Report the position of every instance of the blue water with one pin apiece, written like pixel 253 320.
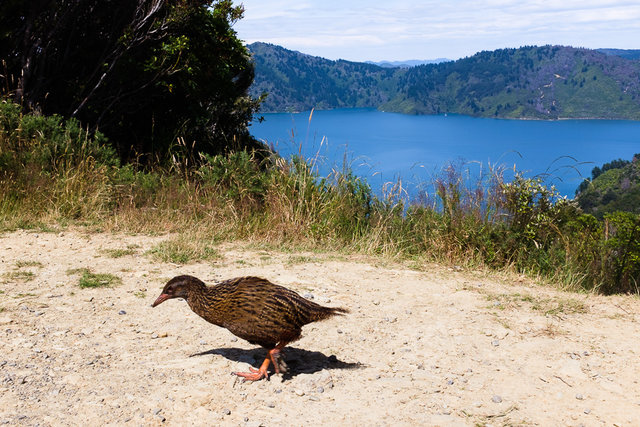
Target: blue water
pixel 383 147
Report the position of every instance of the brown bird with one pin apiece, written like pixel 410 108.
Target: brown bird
pixel 253 309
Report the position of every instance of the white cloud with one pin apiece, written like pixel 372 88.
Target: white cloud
pixel 404 29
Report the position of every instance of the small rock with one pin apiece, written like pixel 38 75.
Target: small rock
pixel 157 411
pixel 495 343
pixel 308 295
pixel 579 396
pixel 339 331
pixel 496 399
pixel 477 404
pixel 314 398
pixel 320 389
pixel 391 319
pixel 587 411
pixel 450 382
pixel 226 411
pixel 376 302
pixel 299 392
pixel 121 312
pixel 233 339
pixel 277 391
pixel 202 342
pixel 271 405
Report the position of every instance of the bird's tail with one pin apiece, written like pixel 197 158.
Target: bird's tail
pixel 320 312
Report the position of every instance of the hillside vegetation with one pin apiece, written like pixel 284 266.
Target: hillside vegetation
pixel 54 174
pixel 548 82
pixel 613 187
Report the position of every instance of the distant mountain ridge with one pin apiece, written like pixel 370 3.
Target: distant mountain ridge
pixel 408 63
pixel 623 53
pixel 546 82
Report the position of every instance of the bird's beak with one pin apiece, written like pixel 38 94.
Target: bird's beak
pixel 160 299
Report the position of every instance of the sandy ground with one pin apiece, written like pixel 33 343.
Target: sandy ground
pixel 434 347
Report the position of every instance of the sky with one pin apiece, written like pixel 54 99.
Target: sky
pixel 376 30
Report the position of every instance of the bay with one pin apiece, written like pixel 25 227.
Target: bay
pixel 384 147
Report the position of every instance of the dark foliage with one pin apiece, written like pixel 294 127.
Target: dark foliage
pixel 145 73
pixel 614 186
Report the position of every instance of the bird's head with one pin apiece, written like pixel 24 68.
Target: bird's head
pixel 178 287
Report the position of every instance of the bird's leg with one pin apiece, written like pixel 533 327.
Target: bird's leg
pixel 276 357
pixel 256 374
pixel 272 356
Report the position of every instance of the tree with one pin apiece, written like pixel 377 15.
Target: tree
pixel 146 73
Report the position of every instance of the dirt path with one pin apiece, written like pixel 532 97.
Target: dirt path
pixel 419 348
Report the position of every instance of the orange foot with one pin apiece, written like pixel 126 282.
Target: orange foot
pixel 254 375
pixel 257 374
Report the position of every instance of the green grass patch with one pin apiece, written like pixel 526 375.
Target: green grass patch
pixel 23 276
pixel 27 263
pixel 184 250
pixel 88 279
pixel 98 280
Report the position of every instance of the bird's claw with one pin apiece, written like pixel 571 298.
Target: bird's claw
pixel 254 375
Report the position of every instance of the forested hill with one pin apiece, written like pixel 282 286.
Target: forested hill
pixel 295 81
pixel 547 82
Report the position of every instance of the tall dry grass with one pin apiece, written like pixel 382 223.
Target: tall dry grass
pixel 52 173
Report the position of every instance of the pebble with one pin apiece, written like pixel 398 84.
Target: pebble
pixel 496 399
pixel 391 319
pixel 587 411
pixel 226 411
pixel 308 295
pixel 579 396
pixel 495 343
pixel 121 312
pixel 314 398
pixel 233 339
pixel 376 302
pixel 339 331
pixel 299 392
pixel 450 382
pixel 271 405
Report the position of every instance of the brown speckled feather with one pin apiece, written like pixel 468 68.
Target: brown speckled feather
pixel 253 308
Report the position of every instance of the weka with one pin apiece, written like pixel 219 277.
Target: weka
pixel 251 308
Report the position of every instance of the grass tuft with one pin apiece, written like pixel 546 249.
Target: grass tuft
pixel 88 279
pixel 184 250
